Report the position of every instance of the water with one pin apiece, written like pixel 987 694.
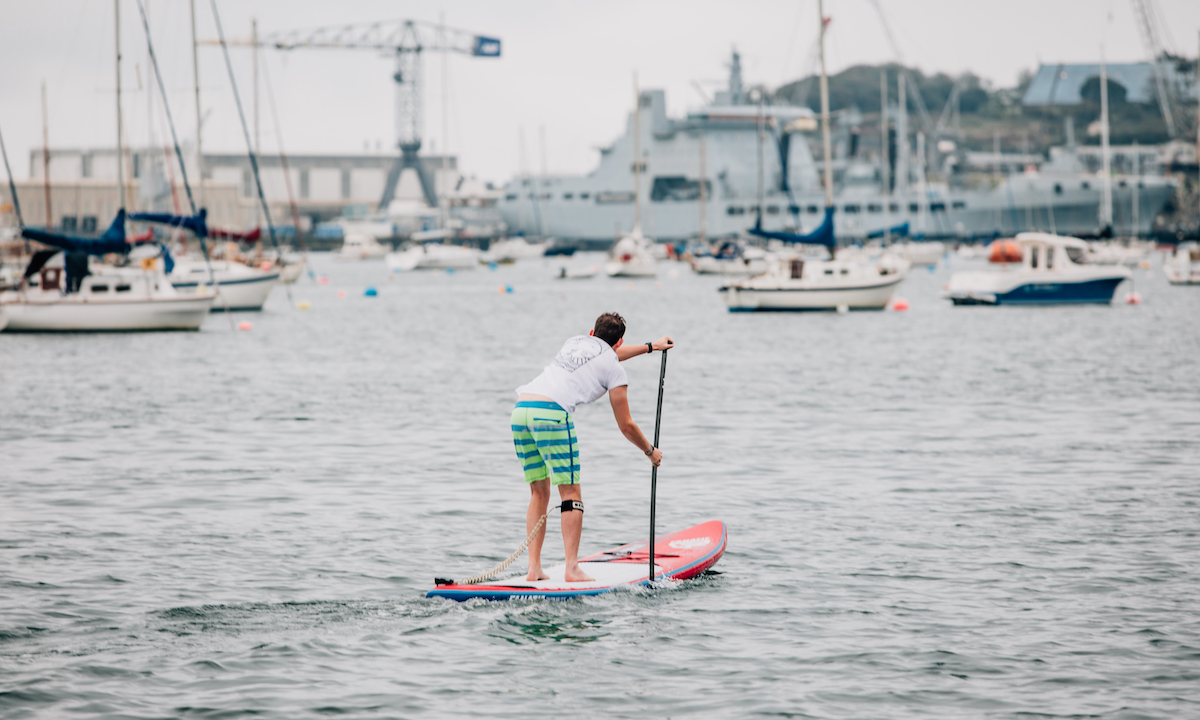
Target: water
pixel 948 512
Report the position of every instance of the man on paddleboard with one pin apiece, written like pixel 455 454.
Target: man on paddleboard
pixel 543 428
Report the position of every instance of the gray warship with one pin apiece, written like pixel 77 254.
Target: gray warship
pixel 728 136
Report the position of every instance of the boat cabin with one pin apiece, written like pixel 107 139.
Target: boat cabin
pixel 1043 252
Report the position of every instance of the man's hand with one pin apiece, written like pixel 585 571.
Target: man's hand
pixel 664 343
pixel 656 457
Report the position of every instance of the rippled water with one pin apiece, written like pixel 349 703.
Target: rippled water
pixel 948 512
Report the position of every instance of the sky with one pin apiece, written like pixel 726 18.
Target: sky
pixel 564 82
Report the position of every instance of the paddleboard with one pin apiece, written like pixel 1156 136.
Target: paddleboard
pixel 677 556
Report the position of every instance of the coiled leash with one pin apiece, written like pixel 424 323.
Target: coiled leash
pixel 566 506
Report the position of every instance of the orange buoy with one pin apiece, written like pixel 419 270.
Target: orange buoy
pixel 1004 251
pixel 899 304
pixel 245 325
pixel 1133 298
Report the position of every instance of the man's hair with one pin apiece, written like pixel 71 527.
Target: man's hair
pixel 610 327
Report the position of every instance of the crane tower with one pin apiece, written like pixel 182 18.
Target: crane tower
pixel 409 40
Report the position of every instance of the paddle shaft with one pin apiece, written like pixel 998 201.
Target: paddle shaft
pixel 662 375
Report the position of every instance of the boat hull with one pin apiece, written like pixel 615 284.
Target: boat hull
pixel 242 294
pixel 1090 292
pixel 874 296
pixel 69 315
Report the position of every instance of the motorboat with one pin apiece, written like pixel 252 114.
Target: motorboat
pixel 361 246
pixel 1053 271
pixel 796 284
pixel 433 256
pixel 239 286
pixel 509 250
pixel 108 298
pixel 3 318
pixel 631 256
pixel 732 258
pixel 1183 267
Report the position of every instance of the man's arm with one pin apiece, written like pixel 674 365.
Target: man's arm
pixel 618 397
pixel 634 349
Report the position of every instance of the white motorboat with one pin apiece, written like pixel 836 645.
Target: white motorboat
pixel 815 285
pixel 360 246
pixel 108 299
pixel 3 318
pixel 239 286
pixel 732 258
pixel 1183 267
pixel 433 256
pixel 1053 271
pixel 631 256
pixel 509 250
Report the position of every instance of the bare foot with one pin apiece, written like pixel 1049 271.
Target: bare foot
pixel 535 576
pixel 576 575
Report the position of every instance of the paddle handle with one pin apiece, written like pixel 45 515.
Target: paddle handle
pixel 662 375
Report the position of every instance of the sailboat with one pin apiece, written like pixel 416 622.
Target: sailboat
pixel 63 290
pixel 631 255
pixel 799 284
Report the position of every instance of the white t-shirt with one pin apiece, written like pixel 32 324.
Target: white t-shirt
pixel 583 370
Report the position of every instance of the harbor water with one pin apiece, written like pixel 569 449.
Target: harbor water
pixel 946 512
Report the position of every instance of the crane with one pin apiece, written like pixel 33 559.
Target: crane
pixel 408 39
pixel 1148 26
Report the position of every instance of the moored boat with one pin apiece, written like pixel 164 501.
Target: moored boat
pixel 240 287
pixel 433 256
pixel 1183 266
pixel 1052 271
pixel 631 256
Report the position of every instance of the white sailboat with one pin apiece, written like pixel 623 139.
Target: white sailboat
pixel 433 256
pixel 109 299
pixel 64 290
pixel 795 284
pixel 1183 266
pixel 632 256
pixel 240 287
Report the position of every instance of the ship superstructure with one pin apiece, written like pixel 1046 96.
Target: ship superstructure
pixel 726 136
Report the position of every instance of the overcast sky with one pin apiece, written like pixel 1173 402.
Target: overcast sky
pixel 566 66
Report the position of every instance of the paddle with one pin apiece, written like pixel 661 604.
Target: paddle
pixel 662 374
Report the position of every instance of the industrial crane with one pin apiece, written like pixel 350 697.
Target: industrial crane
pixel 408 39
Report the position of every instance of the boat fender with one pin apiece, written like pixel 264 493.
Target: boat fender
pixel 569 505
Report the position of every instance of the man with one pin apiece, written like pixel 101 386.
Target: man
pixel 543 428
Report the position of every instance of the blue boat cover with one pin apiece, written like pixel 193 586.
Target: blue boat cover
pixel 112 241
pixel 900 230
pixel 196 223
pixel 823 235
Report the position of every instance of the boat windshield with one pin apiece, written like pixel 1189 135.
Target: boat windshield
pixel 1076 255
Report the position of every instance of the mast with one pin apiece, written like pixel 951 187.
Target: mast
pixel 196 88
pixel 637 156
pixel 903 154
pixel 761 131
pixel 825 112
pixel 443 200
pixel 883 131
pixel 257 135
pixel 46 159
pixel 1137 183
pixel 120 128
pixel 922 206
pixel 703 237
pixel 1106 208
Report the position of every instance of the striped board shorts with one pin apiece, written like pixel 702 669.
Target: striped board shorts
pixel 544 435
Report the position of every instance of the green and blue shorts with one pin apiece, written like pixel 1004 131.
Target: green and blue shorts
pixel 544 435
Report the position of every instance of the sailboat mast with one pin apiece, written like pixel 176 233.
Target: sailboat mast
pixel 46 159
pixel 1106 208
pixel 196 88
pixel 120 128
pixel 883 131
pixel 257 135
pixel 637 154
pixel 703 192
pixel 825 112
pixel 761 132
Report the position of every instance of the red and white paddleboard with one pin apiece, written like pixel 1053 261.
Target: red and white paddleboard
pixel 678 556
